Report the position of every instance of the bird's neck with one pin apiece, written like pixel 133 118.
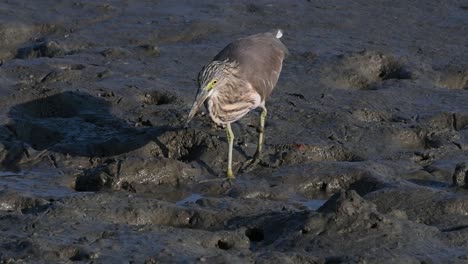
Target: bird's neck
pixel 231 101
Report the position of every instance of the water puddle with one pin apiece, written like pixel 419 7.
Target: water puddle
pixel 430 183
pixel 12 174
pixel 37 182
pixel 311 204
pixel 192 198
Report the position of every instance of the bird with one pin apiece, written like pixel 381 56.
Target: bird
pixel 239 79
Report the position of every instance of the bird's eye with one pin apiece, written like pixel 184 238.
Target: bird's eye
pixel 211 84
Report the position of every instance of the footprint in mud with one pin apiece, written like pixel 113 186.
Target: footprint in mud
pixel 160 98
pixel 365 70
pixel 186 145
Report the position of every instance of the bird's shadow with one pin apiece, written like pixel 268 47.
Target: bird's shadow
pixel 74 123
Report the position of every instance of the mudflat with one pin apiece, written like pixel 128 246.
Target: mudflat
pixel 366 153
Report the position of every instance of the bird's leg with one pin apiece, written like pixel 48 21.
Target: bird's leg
pixel 230 139
pixel 261 135
pixel 261 131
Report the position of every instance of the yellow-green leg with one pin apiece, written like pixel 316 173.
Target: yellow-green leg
pixel 261 132
pixel 230 139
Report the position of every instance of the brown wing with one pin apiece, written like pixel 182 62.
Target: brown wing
pixel 260 58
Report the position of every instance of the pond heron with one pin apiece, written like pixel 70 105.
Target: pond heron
pixel 239 79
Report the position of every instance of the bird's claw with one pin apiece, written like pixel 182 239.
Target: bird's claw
pixel 252 163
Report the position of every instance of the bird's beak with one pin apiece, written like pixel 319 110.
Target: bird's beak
pixel 201 97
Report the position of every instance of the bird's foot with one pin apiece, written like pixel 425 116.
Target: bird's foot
pixel 229 175
pixel 222 181
pixel 253 162
pixel 228 179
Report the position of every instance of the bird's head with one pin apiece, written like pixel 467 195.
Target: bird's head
pixel 210 78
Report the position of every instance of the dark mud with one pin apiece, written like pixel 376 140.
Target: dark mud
pixel 366 141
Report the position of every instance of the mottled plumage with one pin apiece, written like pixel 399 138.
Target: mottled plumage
pixel 259 59
pixel 239 79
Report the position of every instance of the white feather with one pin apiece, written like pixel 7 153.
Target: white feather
pixel 279 34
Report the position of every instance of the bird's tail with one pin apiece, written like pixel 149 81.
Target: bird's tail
pixel 279 33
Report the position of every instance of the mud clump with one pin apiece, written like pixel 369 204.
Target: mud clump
pixel 94 179
pixel 349 203
pixel 11 201
pixel 150 49
pixel 13 34
pixel 454 78
pixel 41 48
pixel 134 175
pixel 460 175
pixel 112 53
pixel 302 153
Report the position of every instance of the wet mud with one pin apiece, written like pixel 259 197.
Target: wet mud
pixel 366 146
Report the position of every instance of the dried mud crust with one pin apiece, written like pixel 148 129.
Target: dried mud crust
pixel 365 145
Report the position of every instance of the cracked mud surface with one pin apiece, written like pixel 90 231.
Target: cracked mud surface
pixel 366 139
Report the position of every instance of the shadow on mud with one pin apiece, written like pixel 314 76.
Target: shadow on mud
pixel 74 123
